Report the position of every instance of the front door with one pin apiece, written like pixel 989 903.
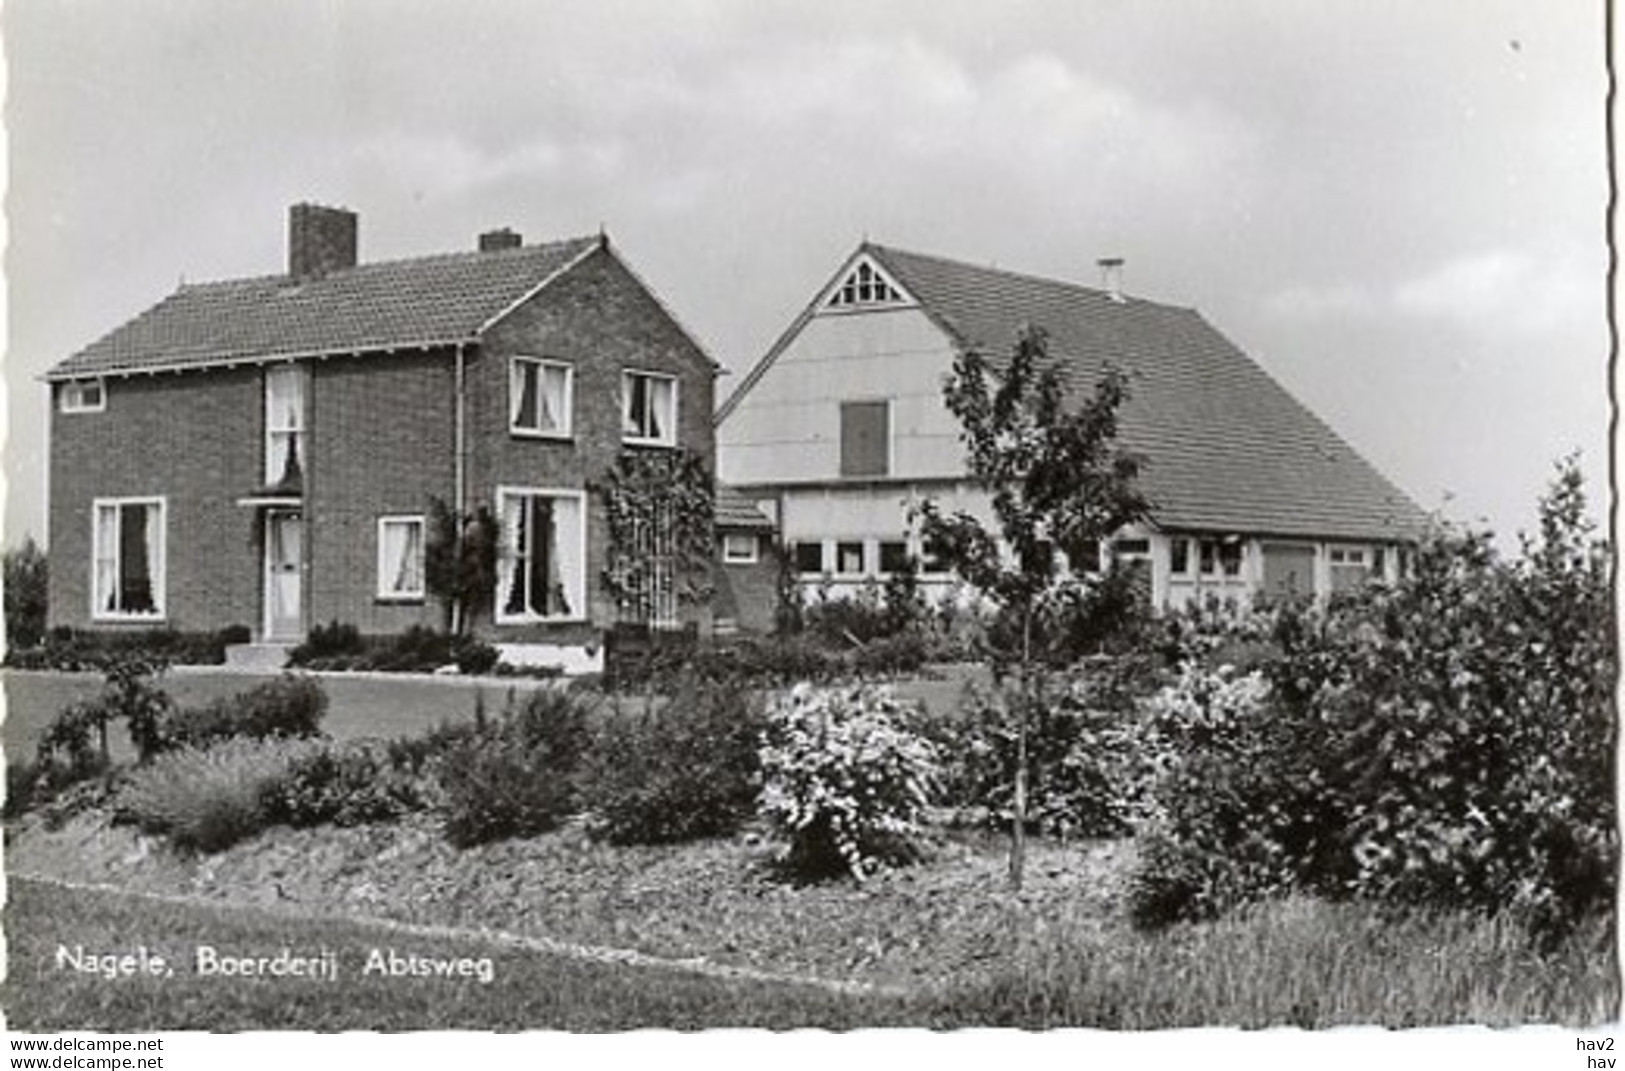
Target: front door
pixel 284 619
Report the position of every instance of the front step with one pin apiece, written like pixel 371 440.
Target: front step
pixel 257 657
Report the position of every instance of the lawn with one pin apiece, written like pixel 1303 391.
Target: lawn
pixel 528 990
pixel 358 706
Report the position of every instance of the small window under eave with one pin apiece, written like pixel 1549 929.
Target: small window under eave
pixel 865 285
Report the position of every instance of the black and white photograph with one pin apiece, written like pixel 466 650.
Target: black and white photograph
pixel 527 521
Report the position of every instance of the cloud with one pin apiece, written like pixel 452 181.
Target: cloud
pixel 1497 289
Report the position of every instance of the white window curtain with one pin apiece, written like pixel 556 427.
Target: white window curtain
pixel 284 420
pixel 400 559
pixel 543 572
pixel 127 559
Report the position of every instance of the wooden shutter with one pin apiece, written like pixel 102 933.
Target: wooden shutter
pixel 865 435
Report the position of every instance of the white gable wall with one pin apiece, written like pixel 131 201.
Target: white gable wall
pixel 787 428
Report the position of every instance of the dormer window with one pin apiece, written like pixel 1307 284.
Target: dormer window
pixel 84 396
pixel 865 285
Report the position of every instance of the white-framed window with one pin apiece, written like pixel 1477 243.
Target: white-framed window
pixel 649 408
pixel 850 558
pixel 542 575
pixel 284 421
pixel 127 559
pixel 809 556
pixel 1221 556
pixel 541 397
pixel 1350 566
pixel 864 285
pixel 740 548
pixel 84 396
pixel 400 557
pixel 1179 556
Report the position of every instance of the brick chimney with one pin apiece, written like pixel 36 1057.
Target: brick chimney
pixel 501 238
pixel 320 240
pixel 1111 277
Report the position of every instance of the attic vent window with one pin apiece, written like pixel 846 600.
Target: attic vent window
pixel 864 285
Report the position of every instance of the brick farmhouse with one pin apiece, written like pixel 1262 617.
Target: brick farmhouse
pixel 265 451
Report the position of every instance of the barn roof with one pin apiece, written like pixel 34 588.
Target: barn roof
pixel 1225 446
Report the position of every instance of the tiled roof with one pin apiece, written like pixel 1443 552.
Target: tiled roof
pixel 1226 446
pixel 381 306
pixel 734 510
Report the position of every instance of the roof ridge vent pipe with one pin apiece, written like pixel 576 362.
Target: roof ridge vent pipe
pixel 1111 277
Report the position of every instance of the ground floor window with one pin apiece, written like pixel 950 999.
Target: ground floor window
pixel 809 557
pixel 1350 567
pixel 739 548
pixel 400 558
pixel 128 558
pixel 542 574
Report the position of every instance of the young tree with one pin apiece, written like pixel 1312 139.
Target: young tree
pixel 460 562
pixel 1059 482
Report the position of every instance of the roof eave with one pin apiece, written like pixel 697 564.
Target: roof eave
pixel 59 375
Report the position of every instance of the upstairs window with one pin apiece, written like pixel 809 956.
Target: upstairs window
pixel 864 285
pixel 400 558
pixel 540 397
pixel 83 396
pixel 127 568
pixel 284 422
pixel 865 438
pixel 649 409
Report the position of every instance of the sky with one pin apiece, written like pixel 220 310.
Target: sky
pixel 1398 209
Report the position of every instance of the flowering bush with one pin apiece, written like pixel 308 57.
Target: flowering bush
pixel 1446 740
pixel 845 778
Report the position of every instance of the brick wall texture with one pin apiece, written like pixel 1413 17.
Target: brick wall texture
pixel 379 440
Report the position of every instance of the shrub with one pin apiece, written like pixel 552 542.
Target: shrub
pixel 333 640
pixel 515 776
pixel 27 578
pixel 473 657
pixel 1086 770
pixel 344 785
pixel 73 649
pixel 288 707
pixel 209 799
pixel 1443 741
pixel 844 779
pixel 676 771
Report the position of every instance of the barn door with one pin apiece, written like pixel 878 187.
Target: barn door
pixel 1289 570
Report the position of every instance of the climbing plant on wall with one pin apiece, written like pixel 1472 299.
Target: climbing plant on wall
pixel 659 508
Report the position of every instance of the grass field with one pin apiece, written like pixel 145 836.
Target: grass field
pixel 1297 963
pixel 528 991
pixel 357 706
